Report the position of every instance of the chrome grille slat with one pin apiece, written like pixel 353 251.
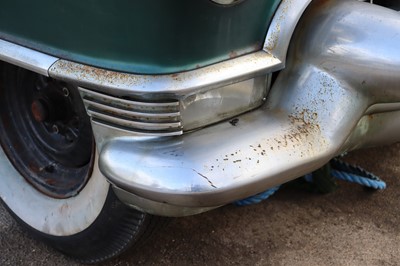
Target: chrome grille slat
pixel 139 118
pixel 139 132
pixel 133 114
pixel 96 96
pixel 133 124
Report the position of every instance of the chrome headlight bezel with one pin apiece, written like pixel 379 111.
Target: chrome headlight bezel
pixel 215 105
pixel 175 117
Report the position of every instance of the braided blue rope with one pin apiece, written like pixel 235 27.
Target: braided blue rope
pixel 340 170
pixel 359 179
pixel 355 174
pixel 257 198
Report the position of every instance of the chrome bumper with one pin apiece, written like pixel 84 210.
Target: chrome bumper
pixel 171 152
pixel 340 91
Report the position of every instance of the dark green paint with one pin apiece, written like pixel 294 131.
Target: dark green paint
pixel 146 36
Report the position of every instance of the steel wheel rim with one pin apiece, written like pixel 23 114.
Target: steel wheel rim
pixel 46 132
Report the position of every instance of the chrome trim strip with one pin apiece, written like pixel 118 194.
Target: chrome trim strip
pixel 133 124
pixel 172 85
pixel 128 103
pixel 156 208
pixel 27 58
pixel 149 116
pixel 282 27
pixel 131 132
pixel 136 117
pixel 383 108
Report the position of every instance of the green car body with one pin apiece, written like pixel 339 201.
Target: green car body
pixel 145 37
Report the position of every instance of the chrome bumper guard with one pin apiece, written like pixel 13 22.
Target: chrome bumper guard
pixel 338 92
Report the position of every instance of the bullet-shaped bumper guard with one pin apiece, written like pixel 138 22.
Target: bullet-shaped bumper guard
pixel 321 105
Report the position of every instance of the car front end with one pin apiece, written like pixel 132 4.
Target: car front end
pixel 186 120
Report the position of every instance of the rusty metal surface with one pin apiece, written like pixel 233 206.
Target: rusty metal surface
pixel 158 87
pixel 225 162
pixel 282 27
pixel 335 73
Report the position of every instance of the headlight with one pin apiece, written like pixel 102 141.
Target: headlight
pixel 222 103
pixel 171 118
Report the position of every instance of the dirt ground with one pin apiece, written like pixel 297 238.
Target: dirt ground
pixel 351 226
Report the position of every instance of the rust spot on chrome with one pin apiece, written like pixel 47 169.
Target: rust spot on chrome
pixel 102 76
pixel 304 125
pixel 273 38
pixel 233 54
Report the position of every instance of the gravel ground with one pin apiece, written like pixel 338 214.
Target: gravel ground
pixel 351 226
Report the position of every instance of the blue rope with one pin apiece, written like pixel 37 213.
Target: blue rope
pixel 355 174
pixel 340 170
pixel 257 198
pixel 359 180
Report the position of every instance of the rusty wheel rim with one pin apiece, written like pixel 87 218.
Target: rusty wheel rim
pixel 46 132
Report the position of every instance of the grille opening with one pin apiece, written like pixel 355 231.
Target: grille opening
pixel 139 117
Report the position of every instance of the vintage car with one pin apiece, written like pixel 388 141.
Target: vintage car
pixel 115 114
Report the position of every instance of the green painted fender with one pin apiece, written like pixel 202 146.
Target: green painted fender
pixel 146 36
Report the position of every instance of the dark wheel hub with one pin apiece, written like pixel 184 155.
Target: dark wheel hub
pixel 39 111
pixel 46 131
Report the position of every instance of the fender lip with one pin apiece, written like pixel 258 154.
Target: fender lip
pixel 27 58
pixel 163 86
